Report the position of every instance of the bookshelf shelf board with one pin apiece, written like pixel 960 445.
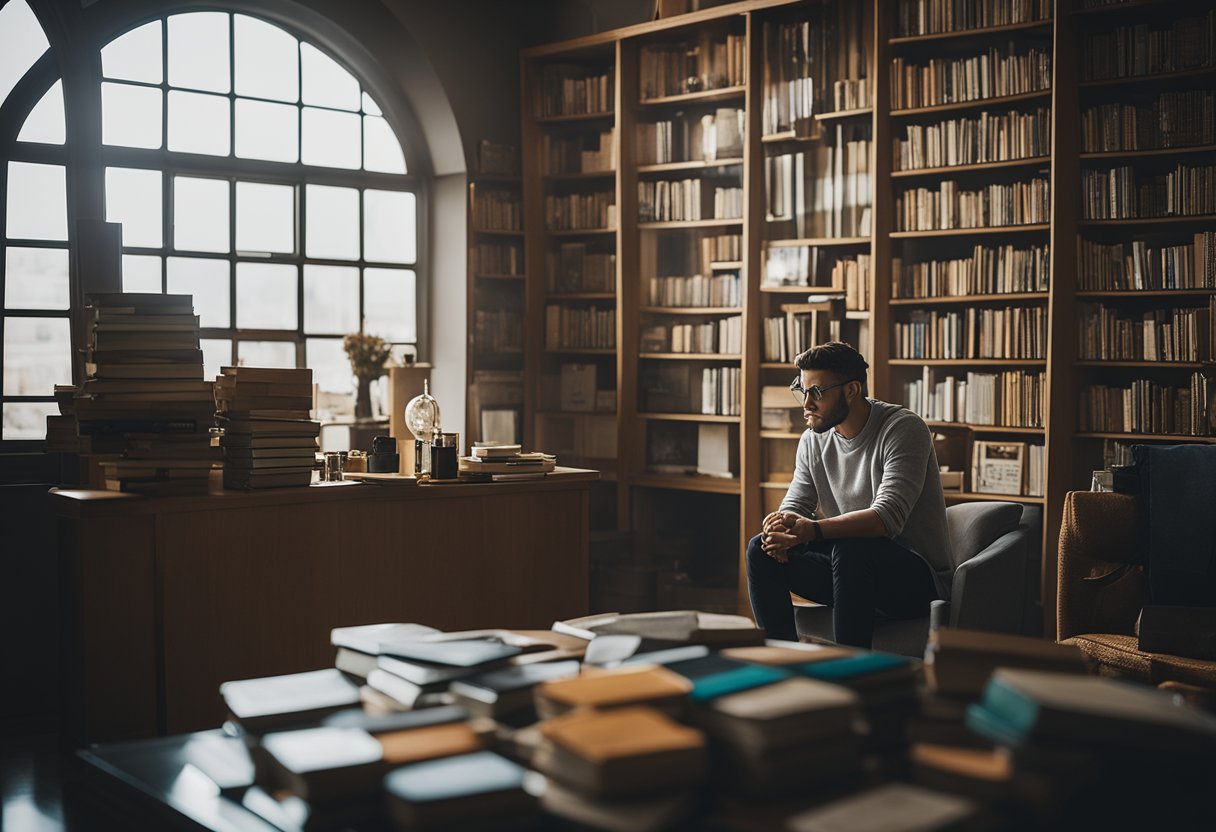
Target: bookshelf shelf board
pixel 962 232
pixel 836 115
pixel 992 298
pixel 1148 79
pixel 707 96
pixel 575 117
pixel 578 176
pixel 501 232
pixel 714 223
pixel 578 232
pixel 687 482
pixel 704 165
pixel 580 413
pixel 1155 437
pixel 819 241
pixel 839 114
pixel 1159 365
pixel 691 310
pixel 1156 151
pixel 578 351
pixel 725 265
pixel 1149 220
pixel 689 417
pixel 1125 294
pixel 779 434
pixel 979 103
pixel 497 178
pixel 1117 7
pixel 969 362
pixel 803 290
pixel 775 486
pixel 689 356
pixel 985 428
pixel 960 33
pixel 559 296
pixel 962 496
pixel 857 314
pixel 491 276
pixel 1012 163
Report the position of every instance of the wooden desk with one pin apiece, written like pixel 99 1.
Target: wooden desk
pixel 165 598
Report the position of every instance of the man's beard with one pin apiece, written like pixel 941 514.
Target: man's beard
pixel 831 418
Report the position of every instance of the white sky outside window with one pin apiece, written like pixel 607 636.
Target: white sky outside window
pixel 37 202
pixel 134 198
pixel 267 61
pixel 135 56
pixel 35 278
pixel 198 52
pixel 45 124
pixel 200 214
pixel 199 123
pixel 141 273
pixel 22 42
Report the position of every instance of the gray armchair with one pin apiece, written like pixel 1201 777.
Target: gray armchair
pixel 990 542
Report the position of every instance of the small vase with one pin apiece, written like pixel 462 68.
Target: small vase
pixel 363 397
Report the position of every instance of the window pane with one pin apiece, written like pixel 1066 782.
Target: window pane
pixel 36 278
pixel 207 280
pixel 267 131
pixel 330 139
pixel 37 355
pixel 332 227
pixel 326 83
pixel 265 217
pixel 135 56
pixel 389 304
pixel 133 198
pixel 200 214
pixel 37 202
pixel 140 273
pixel 21 43
pixel 198 123
pixel 330 366
pixel 130 116
pixel 266 296
pixel 370 106
pixel 331 300
pixel 27 420
pixel 267 63
pixel 217 352
pixel 266 354
pixel 198 51
pixel 381 150
pixel 388 226
pixel 44 124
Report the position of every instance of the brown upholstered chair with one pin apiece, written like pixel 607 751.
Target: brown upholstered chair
pixel 1102 588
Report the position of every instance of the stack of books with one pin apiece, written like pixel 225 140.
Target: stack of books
pixel 499 462
pixel 270 439
pixel 144 388
pixel 62 432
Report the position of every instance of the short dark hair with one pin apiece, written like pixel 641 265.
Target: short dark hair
pixel 838 357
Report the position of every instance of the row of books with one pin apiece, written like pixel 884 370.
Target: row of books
pixel 498 211
pixel 721 248
pixel 1148 407
pixel 792 76
pixel 570 89
pixel 714 290
pixel 991 74
pixel 1014 468
pixel 572 268
pixel 801 327
pixel 728 203
pixel 1149 48
pixel 1012 332
pixel 993 206
pixel 1139 266
pixel 680 68
pixel 988 271
pixel 269 438
pixel 825 191
pixel 498 258
pixel 1178 118
pixel 721 336
pixel 1125 193
pixel 689 138
pixel 571 327
pixel 720 391
pixel 669 201
pixel 933 17
pixel 583 153
pixel 1107 333
pixel 1012 399
pixel 573 212
pixel 990 137
pixel 498 330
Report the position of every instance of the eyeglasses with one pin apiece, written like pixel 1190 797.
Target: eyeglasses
pixel 814 391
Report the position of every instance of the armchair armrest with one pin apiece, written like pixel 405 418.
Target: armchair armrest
pixel 988 590
pixel 1100 587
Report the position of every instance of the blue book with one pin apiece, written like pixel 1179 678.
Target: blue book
pixel 853 667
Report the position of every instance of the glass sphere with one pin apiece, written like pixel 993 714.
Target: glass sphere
pixel 422 415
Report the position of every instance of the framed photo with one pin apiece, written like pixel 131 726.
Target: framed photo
pixel 500 424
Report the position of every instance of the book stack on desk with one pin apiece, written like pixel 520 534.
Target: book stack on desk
pixel 270 439
pixel 497 462
pixel 144 389
pixel 62 432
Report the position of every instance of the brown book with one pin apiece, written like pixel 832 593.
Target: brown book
pixel 271 375
pixel 790 712
pixel 958 662
pixel 626 751
pixel 778 656
pixel 231 387
pixel 613 688
pixel 271 427
pixel 264 413
pixel 418 744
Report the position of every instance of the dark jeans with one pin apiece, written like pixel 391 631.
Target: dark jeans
pixel 856 577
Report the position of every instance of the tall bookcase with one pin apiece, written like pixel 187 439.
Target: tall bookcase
pixel 910 176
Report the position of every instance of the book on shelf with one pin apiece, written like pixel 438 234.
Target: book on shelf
pixel 1149 48
pixel 708 63
pixel 990 270
pixel 570 327
pixel 712 136
pixel 717 455
pixel 713 290
pixel 578 385
pixel 822 191
pixel 580 212
pixel 997 467
pixel 1174 119
pixel 571 89
pixel 498 259
pixel 497 330
pixel 1139 266
pixel 1125 192
pixel 1145 406
pixel 579 153
pixel 998 205
pixel 497 210
pixel 720 336
pixel 575 267
pixel 1013 398
pixel 934 17
pixel 1012 332
pixel 993 73
pixel 1107 333
pixel 988 137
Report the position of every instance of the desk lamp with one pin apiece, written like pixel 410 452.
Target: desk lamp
pixel 422 419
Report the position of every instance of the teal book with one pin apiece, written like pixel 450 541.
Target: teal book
pixel 736 680
pixel 853 667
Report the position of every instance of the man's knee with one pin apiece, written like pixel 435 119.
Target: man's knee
pixel 851 555
pixel 757 559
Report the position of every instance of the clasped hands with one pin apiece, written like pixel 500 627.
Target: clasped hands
pixel 781 531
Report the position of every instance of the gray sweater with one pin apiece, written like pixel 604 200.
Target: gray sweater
pixel 889 467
